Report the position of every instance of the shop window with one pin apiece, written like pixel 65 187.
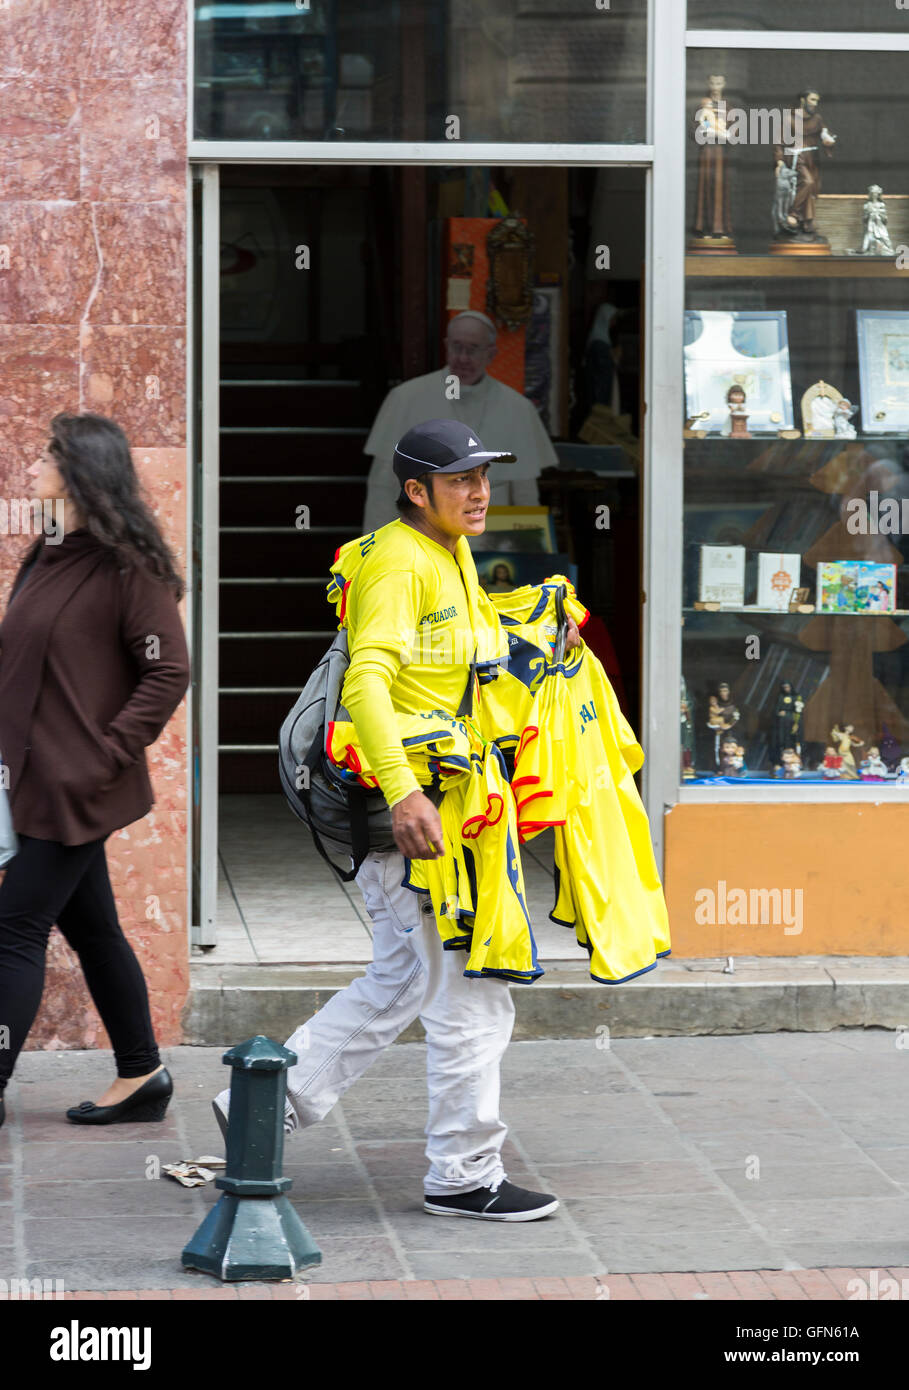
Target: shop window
pixel 808 16
pixel 526 71
pixel 795 635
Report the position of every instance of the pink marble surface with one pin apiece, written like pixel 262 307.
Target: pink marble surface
pixel 39 140
pixel 115 38
pixel 133 139
pixel 53 262
pixel 39 377
pixel 45 38
pixel 146 290
pixel 137 376
pixel 91 307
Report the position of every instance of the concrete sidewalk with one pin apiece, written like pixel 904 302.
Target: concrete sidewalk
pixel 744 1155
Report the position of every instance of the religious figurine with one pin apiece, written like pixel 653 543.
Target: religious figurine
pixel 874 216
pixel 891 751
pixel 787 722
pixel 832 766
pixel 902 772
pixel 791 764
pixel 712 222
pixel 845 741
pixel 721 716
pixel 873 768
pixel 843 427
pixel 687 720
pixel 736 427
pixel 798 158
pixel 732 758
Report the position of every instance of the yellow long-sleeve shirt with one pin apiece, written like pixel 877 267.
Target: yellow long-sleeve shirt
pixel 416 616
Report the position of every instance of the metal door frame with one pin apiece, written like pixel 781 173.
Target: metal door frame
pixel 662 156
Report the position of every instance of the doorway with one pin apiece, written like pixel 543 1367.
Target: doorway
pixel 334 286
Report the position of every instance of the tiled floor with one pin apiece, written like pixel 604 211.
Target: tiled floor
pixel 786 1152
pixel 279 903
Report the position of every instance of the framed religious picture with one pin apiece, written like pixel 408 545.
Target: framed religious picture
pixel 516 529
pixel 501 571
pixel 737 378
pixel 883 347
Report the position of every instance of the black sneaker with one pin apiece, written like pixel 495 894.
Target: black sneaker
pixel 505 1202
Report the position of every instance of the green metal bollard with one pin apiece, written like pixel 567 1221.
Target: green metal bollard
pixel 253 1232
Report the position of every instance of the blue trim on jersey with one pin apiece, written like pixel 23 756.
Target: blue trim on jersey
pixel 560 922
pixel 457 943
pixel 519 977
pixel 405 881
pixel 646 970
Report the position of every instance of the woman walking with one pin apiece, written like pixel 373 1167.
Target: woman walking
pixel 93 663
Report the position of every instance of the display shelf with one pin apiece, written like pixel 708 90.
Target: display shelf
pixel 784 613
pixel 792 267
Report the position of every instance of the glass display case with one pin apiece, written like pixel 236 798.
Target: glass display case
pixel 795 588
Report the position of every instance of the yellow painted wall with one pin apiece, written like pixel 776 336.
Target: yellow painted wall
pixel 846 869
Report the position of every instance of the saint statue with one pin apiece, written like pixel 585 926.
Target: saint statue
pixel 712 222
pixel 798 173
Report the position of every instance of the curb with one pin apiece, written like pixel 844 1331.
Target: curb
pixel 681 998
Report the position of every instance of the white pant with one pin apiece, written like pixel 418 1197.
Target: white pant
pixel 468 1025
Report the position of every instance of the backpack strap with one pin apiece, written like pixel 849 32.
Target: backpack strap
pixel 466 705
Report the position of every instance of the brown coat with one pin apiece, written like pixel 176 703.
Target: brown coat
pixel 93 663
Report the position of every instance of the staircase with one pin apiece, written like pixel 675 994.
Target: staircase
pixel 285 442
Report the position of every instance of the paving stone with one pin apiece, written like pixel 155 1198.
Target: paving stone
pixel 809 1180
pixel 820 1144
pixel 823 1219
pixel 527 1260
pixel 135 1272
pixel 103 1198
pixel 425 1232
pixel 609 1179
pixel 156 1236
pixel 692 1252
pixel 650 1215
pixel 350 1259
pixel 872 1252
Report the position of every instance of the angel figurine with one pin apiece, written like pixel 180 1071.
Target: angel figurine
pixel 843 428
pixel 874 215
pixel 873 768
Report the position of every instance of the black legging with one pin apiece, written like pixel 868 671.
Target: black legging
pixel 48 882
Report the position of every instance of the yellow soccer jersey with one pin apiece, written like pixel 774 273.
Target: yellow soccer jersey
pixel 477 888
pixel 607 883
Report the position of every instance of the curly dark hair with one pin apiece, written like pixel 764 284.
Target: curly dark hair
pixel 95 463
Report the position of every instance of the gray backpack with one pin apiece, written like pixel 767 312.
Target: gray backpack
pixel 344 817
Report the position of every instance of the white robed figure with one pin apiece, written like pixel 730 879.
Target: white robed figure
pixel 502 418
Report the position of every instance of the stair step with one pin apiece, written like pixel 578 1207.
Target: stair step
pixel 245 401
pixel 284 552
pixel 281 660
pixel 300 604
pixel 294 452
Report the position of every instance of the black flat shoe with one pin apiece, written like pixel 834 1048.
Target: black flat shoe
pixel 149 1102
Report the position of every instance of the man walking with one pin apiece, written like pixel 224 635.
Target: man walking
pixel 414 572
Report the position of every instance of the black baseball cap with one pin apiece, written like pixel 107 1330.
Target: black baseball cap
pixel 442 446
